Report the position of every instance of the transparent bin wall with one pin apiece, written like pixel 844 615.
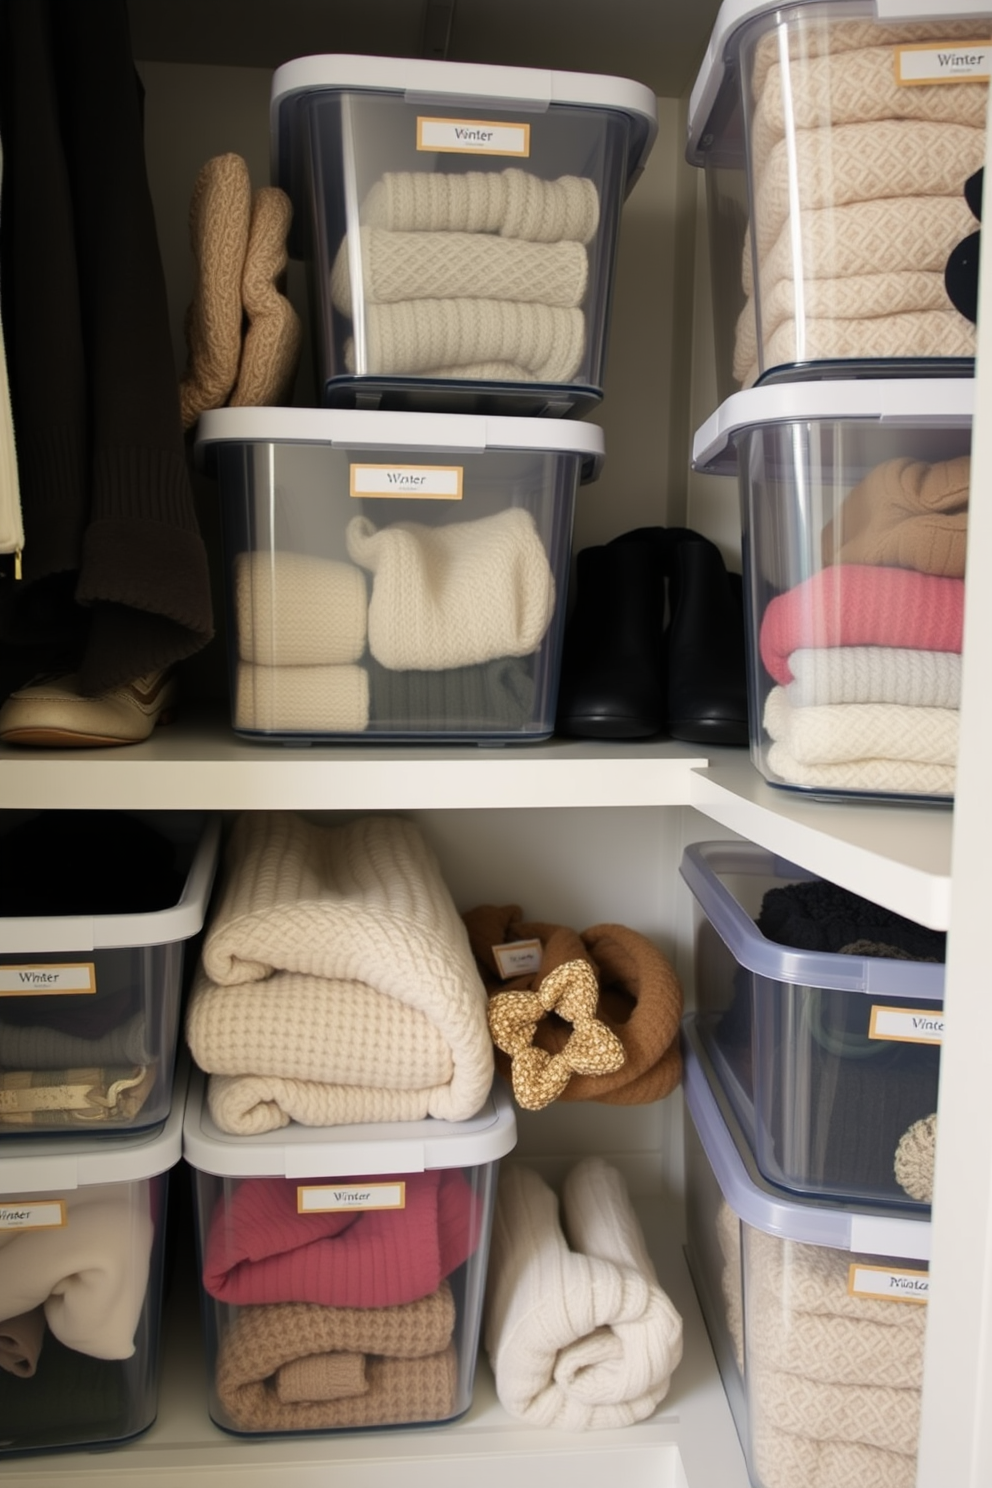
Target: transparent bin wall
pixel 833 1374
pixel 84 1300
pixel 855 197
pixel 478 283
pixel 825 1082
pixel 823 1379
pixel 345 1319
pixel 843 549
pixel 99 1058
pixel 456 635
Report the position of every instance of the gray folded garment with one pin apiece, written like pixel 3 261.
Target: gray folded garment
pixel 497 694
pixel 36 1046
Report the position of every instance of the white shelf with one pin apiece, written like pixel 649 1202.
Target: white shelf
pixel 898 856
pixel 690 1439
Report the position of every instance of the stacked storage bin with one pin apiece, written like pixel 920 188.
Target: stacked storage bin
pixel 396 564
pixel 91 1108
pixel 838 145
pixel 811 1080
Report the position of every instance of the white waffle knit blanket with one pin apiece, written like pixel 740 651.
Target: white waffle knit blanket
pixel 337 982
pixel 579 1332
pixel 457 594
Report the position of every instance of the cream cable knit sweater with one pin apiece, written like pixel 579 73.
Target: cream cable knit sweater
pixel 302 699
pixel 454 595
pixel 579 1338
pixel 513 203
pixel 295 609
pixel 364 904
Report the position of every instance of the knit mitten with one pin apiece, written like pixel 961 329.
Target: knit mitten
pixel 272 341
pixel 219 222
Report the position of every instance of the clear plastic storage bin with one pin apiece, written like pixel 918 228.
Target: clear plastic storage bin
pixel 89 1002
pixel 816 1314
pixel 837 137
pixel 459 224
pixel 830 1060
pixel 343 1268
pixel 82 1266
pixel 395 576
pixel 854 513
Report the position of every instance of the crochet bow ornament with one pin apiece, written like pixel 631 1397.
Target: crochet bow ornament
pixel 572 992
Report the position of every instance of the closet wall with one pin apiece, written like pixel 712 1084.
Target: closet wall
pixel 571 831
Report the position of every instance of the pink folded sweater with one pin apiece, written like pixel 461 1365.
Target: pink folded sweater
pixel 260 1249
pixel 861 604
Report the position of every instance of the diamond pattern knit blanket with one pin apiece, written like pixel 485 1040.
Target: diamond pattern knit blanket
pixel 338 984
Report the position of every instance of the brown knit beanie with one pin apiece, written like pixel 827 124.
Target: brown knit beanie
pixel 639 1003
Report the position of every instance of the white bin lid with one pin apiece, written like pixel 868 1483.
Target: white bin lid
pixel 297 1151
pixel 926 402
pixel 470 84
pixel 43 1164
pixel 370 428
pixel 758 1203
pixel 41 934
pixel 733 15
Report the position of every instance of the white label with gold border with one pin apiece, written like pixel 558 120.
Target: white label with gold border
pixel 517 958
pixel 887 1284
pixel 47 981
pixel 922 64
pixel 33 1214
pixel 901 1025
pixel 331 1198
pixel 472 137
pixel 422 482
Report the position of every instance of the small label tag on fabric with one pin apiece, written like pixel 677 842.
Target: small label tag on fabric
pixel 46 981
pixel 34 1214
pixel 518 958
pixel 882 1283
pixel 472 137
pixel 923 63
pixel 907 1025
pixel 422 482
pixel 330 1198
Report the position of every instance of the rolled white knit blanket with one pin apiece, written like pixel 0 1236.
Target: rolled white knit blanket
pixel 436 266
pixel 296 609
pixel 90 1275
pixel 361 999
pixel 579 1332
pixel 454 595
pixel 422 337
pixel 302 699
pixel 513 203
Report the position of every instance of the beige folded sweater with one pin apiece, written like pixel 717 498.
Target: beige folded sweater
pixel 296 609
pixel 361 995
pixel 836 733
pixel 513 203
pixel 301 699
pixel 907 513
pixel 450 265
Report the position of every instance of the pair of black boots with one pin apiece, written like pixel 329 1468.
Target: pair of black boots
pixel 626 674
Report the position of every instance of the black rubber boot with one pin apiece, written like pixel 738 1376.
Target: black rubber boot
pixel 613 670
pixel 705 644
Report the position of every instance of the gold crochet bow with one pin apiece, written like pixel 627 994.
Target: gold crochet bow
pixel 571 991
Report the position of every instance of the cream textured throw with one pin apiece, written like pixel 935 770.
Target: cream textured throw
pixel 838 732
pixel 439 266
pixel 892 777
pixel 833 1380
pixel 454 595
pixel 90 1275
pixel 293 609
pixel 874 674
pixel 302 699
pixel 582 1337
pixel 450 337
pixel 355 925
pixel 513 203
